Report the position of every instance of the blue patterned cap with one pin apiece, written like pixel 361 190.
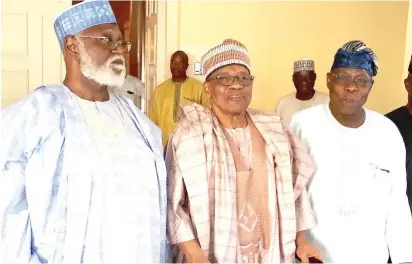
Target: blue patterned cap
pixel 356 55
pixel 78 17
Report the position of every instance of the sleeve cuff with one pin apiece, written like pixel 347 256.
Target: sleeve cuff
pixel 305 219
pixel 181 231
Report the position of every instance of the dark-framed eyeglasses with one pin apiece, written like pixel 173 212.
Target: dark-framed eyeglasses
pixel 112 45
pixel 362 81
pixel 227 80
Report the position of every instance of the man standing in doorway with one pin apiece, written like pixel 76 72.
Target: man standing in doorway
pixel 402 117
pixel 171 94
pixel 358 191
pixel 82 178
pixel 304 78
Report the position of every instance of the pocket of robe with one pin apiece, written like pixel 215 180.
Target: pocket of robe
pixel 380 181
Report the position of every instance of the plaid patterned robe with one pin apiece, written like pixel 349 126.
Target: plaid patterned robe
pixel 198 156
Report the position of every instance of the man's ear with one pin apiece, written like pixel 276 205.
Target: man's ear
pixel 328 80
pixel 408 85
pixel 206 85
pixel 71 45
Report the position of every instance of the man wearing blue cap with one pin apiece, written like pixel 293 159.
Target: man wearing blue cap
pixel 82 171
pixel 358 192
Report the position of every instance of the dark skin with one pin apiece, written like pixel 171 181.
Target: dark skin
pixel 304 82
pixel 98 51
pixel 179 62
pixel 347 100
pixel 408 87
pixel 230 111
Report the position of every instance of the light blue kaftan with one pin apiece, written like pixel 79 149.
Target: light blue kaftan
pixel 49 177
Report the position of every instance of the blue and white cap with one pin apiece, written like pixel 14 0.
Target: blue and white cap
pixel 84 15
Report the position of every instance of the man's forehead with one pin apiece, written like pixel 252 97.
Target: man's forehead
pixel 352 71
pixel 232 68
pixel 112 29
pixel 304 72
pixel 178 57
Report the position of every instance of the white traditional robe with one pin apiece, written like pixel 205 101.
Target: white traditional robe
pixel 289 104
pixel 358 192
pixel 49 175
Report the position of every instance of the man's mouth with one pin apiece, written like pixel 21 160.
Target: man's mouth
pixel 236 97
pixel 118 62
pixel 349 101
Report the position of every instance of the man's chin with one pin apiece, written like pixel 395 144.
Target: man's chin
pixel 111 82
pixel 119 70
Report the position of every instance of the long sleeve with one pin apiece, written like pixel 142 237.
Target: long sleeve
pixel 305 218
pixel 179 223
pixel 303 168
pixel 22 126
pixel 399 220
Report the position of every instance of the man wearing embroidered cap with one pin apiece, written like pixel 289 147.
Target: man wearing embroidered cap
pixel 358 191
pixel 304 78
pixel 236 176
pixel 82 172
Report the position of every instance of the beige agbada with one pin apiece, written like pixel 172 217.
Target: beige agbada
pixel 209 186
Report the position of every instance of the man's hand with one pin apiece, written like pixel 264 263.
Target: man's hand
pixel 197 258
pixel 304 250
pixel 193 253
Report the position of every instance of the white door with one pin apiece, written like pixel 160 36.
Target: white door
pixel 30 51
pixel 150 48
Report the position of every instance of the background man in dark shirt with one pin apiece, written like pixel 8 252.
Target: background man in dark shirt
pixel 402 117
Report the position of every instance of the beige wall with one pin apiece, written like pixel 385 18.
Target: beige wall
pixel 408 42
pixel 277 33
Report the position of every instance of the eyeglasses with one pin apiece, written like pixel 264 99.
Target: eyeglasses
pixel 112 45
pixel 230 80
pixel 362 81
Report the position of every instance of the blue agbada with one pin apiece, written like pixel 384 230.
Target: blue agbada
pixel 47 182
pixel 356 55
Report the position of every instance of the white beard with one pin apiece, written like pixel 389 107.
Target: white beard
pixel 107 74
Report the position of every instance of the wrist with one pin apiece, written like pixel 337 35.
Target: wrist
pixel 300 238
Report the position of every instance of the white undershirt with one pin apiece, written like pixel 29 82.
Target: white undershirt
pixel 122 212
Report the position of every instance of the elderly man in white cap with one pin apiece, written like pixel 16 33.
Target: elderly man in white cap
pixel 358 191
pixel 236 177
pixel 82 171
pixel 304 78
